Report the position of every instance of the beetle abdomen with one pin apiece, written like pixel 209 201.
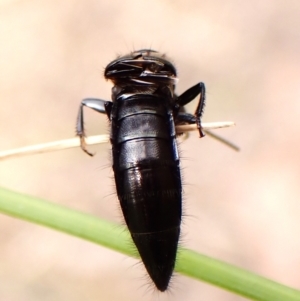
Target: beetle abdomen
pixel 147 175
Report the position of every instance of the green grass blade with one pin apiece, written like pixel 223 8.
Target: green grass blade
pixel 64 219
pixel 232 278
pixel 117 238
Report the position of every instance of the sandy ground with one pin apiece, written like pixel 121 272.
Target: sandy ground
pixel 243 208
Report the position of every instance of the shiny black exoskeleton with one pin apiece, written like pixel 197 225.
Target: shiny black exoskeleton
pixel 143 114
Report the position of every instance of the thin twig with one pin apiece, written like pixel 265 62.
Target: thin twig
pixel 75 142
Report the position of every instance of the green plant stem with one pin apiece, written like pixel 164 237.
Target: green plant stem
pixel 232 278
pixel 66 220
pixel 117 238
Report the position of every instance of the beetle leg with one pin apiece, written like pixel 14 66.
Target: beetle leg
pixel 184 118
pixel 96 104
pixel 188 96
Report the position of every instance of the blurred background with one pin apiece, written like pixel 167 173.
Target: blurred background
pixel 243 208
